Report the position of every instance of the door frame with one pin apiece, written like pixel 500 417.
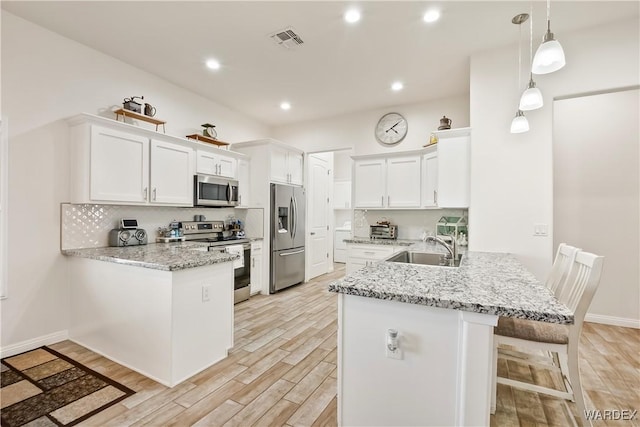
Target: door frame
pixel 307 186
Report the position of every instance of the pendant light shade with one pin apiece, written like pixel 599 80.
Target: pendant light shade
pixel 519 124
pixel 531 98
pixel 550 55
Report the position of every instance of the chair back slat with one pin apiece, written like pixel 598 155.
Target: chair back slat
pixel 564 259
pixel 581 284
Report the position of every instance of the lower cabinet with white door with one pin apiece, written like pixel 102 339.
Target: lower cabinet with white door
pixel 361 255
pixel 256 267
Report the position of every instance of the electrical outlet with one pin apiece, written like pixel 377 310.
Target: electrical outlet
pixel 397 354
pixel 206 289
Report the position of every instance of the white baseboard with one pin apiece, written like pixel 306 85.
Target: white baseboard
pixel 33 343
pixel 612 320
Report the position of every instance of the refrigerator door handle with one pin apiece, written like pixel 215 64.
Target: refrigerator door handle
pixel 295 217
pixel 291 217
pixel 292 253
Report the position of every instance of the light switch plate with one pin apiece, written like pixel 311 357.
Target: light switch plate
pixel 540 230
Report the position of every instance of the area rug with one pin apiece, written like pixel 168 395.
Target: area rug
pixel 44 388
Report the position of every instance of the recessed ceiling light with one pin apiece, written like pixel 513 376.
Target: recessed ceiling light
pixel 396 86
pixel 285 106
pixel 431 16
pixel 213 64
pixel 352 16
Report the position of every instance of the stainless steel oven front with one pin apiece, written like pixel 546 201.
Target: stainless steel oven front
pixel 214 191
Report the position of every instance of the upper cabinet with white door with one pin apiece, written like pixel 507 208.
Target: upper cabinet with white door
pixel 454 172
pixel 213 162
pixel 279 162
pixel 171 180
pixel 117 163
pixel 387 181
pixel 286 165
pixel 434 177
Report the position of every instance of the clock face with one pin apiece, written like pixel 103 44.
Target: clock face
pixel 391 129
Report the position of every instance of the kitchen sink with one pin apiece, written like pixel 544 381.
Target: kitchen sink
pixel 424 258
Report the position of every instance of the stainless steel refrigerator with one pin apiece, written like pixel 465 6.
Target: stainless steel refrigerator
pixel 287 236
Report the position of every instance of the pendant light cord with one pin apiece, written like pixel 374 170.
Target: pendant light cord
pixel 519 55
pixel 531 37
pixel 548 15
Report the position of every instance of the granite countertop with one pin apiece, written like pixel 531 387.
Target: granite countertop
pixel 158 256
pixel 386 242
pixel 490 283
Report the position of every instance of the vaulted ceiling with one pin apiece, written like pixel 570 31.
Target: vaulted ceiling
pixel 339 68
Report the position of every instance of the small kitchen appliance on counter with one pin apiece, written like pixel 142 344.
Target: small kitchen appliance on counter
pixel 383 230
pixel 219 239
pixel 128 234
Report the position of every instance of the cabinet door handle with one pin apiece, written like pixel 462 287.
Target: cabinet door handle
pixel 435 196
pixel 370 253
pixel 154 194
pixel 146 193
pixel 240 199
pixel 388 200
pixel 253 263
pixel 382 200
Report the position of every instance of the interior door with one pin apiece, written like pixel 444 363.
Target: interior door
pixel 319 209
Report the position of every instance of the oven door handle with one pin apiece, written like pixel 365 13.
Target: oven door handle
pixel 292 253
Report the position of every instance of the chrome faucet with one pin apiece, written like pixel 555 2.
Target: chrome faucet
pixel 452 249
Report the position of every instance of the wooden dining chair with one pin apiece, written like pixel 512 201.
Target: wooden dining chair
pixel 561 340
pixel 565 256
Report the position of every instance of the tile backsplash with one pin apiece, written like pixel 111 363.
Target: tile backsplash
pixel 411 223
pixel 88 225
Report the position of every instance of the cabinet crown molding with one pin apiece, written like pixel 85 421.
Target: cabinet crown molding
pixel 266 141
pixel 86 118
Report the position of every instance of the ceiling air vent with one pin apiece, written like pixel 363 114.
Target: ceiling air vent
pixel 286 38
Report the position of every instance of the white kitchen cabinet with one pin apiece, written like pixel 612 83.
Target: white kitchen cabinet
pixel 244 183
pixel 116 163
pixel 286 166
pixel 212 163
pixel 118 166
pixel 171 173
pixel 369 183
pixel 403 182
pixel 340 246
pixel 387 182
pixel 342 195
pixel 454 176
pixel 430 179
pixel 361 255
pixel 256 267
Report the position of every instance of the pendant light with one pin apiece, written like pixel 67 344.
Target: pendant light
pixel 531 98
pixel 519 124
pixel 549 56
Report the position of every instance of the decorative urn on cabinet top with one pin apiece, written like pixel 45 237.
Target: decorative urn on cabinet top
pixel 445 123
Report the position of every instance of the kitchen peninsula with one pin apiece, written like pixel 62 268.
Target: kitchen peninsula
pixel 164 310
pixel 444 317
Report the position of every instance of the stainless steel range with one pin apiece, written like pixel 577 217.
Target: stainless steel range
pixel 219 239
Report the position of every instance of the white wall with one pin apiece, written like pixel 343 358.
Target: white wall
pixel 356 130
pixel 596 193
pixel 46 78
pixel 511 175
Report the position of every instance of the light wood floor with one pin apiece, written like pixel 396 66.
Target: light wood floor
pixel 282 371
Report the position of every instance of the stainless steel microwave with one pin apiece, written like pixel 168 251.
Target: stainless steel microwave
pixel 214 191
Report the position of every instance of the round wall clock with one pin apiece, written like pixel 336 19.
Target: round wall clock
pixel 391 129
